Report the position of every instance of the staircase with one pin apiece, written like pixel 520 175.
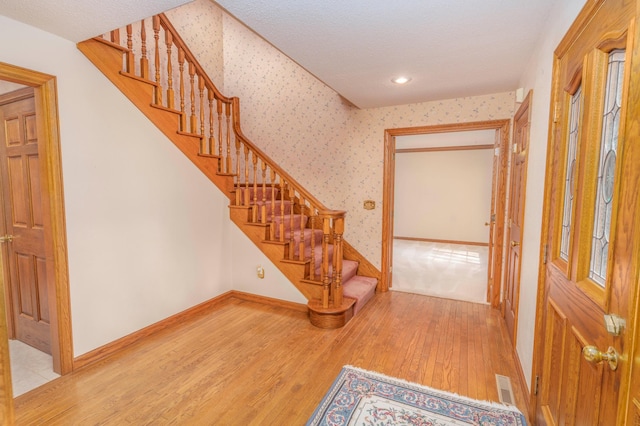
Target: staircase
pixel 302 237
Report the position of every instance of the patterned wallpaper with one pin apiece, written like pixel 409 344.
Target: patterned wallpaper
pixel 333 149
pixel 199 23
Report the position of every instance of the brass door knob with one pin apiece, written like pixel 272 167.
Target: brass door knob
pixel 6 238
pixel 594 355
pixel 515 243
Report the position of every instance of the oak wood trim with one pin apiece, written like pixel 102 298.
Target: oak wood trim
pixel 269 301
pixel 433 240
pixel 522 382
pixel 121 343
pixel 445 148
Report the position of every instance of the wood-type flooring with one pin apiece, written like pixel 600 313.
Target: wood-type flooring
pixel 247 363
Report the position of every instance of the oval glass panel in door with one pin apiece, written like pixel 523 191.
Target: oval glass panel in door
pixel 572 148
pixel 606 168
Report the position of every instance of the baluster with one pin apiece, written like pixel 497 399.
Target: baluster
pixel 247 194
pixel 326 281
pixel 272 182
pixel 220 136
pixel 156 36
pixel 263 208
pixel 201 90
pixel 130 58
pixel 212 141
pixel 254 159
pixel 338 231
pixel 144 62
pixel 168 40
pixel 228 112
pixel 282 191
pixel 292 197
pixel 183 115
pixel 312 270
pixel 115 37
pixel 302 228
pixel 237 176
pixel 192 98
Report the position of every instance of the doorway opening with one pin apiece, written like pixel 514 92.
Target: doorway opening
pixel 53 265
pixel 497 150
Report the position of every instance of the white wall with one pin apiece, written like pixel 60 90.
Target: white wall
pixel 538 78
pixel 147 232
pixel 443 195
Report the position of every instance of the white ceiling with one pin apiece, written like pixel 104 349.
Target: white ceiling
pixel 450 48
pixel 79 20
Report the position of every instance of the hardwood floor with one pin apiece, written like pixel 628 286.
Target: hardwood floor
pixel 246 363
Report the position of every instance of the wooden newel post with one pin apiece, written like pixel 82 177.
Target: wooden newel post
pixel 338 231
pixel 326 279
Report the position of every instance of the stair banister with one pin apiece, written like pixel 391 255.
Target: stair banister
pixel 254 174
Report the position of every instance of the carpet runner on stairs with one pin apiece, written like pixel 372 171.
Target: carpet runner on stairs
pixel 267 202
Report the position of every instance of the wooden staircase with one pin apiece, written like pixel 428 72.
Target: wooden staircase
pixel 295 231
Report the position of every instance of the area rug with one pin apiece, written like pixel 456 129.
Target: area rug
pixel 360 397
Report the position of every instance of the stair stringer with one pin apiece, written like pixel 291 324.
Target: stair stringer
pixel 107 57
pixel 294 271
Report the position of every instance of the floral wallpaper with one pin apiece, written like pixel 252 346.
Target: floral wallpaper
pixel 333 149
pixel 199 23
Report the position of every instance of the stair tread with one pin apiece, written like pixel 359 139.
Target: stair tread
pixel 360 288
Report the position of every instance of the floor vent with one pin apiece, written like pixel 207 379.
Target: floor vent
pixel 505 391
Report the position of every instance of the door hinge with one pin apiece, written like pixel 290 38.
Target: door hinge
pixel 544 254
pixel 514 149
pixel 556 112
pixel 536 385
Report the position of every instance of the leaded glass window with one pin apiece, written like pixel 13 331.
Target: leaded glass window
pixel 570 170
pixel 606 168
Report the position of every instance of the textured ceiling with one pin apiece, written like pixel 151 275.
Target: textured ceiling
pixel 449 48
pixel 79 20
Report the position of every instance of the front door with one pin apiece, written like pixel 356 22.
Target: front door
pixel 22 241
pixel 589 259
pixel 515 224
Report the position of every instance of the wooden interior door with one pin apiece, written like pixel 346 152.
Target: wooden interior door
pixel 591 210
pixel 517 188
pixel 23 239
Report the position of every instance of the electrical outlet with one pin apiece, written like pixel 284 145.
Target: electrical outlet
pixel 260 271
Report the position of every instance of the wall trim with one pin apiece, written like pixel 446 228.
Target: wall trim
pixel 444 148
pixel 200 309
pixel 433 240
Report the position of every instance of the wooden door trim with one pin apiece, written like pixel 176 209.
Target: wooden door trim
pixel 501 126
pixel 55 234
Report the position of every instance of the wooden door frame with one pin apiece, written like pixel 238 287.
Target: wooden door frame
pixel 45 93
pixel 502 129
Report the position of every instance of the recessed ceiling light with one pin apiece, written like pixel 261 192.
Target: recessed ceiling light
pixel 401 80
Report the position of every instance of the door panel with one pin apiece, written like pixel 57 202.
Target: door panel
pixel 24 252
pixel 586 232
pixel 517 190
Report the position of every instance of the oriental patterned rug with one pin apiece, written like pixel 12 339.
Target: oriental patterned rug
pixel 360 397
